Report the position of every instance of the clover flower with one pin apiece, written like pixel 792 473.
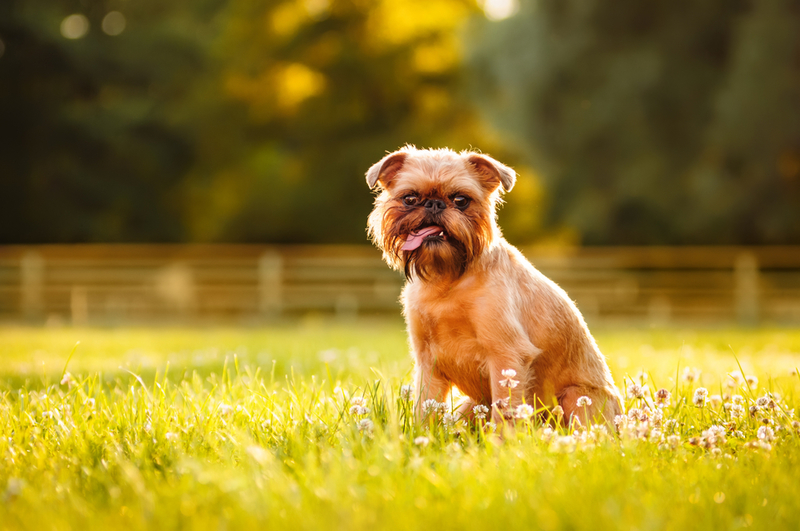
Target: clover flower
pixel 752 382
pixel 737 399
pixel 171 436
pixel 225 409
pixel 68 380
pixel 636 391
pixel 557 411
pixel 422 441
pixel 621 422
pixel 365 426
pixel 508 373
pixel 736 379
pixel 736 410
pixel 583 401
pixel 674 441
pixel 509 382
pixel 765 433
pixel 448 420
pixel 480 411
pixel 359 411
pixel 700 395
pixel 691 374
pixel 762 402
pixel 523 411
pixel 663 397
pixel 429 406
pixel 406 392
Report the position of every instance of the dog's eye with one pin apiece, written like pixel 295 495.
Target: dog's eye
pixel 461 202
pixel 410 200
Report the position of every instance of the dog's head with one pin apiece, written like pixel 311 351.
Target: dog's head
pixel 435 213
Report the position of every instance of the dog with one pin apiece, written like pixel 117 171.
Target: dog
pixel 479 316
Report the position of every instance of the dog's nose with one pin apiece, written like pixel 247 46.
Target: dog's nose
pixel 434 205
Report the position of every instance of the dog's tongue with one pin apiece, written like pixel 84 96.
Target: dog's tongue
pixel 415 239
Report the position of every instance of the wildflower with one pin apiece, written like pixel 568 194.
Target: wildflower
pixel 422 441
pixel 366 426
pixel 700 395
pixel 765 433
pixel 480 411
pixel 736 379
pixel 225 410
pixel 736 410
pixel 500 404
pixel 634 413
pixel 557 411
pixel 663 397
pixel 636 391
pixel 691 374
pixel 796 425
pixel 171 436
pixel 89 402
pixel 449 420
pixel 752 382
pixel 509 383
pixel 642 377
pixel 548 434
pixel 753 411
pixel 429 406
pixel 564 443
pixel 620 421
pixel 737 399
pixel 508 373
pixel 523 411
pixel 715 401
pixel 491 426
pixel 674 441
pixel 584 401
pixel 406 392
pixel 359 411
pixel 68 380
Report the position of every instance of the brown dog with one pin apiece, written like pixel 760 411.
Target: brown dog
pixel 474 306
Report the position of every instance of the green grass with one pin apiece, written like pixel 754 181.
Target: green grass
pixel 234 428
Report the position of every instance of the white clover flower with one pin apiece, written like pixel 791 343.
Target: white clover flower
pixel 762 402
pixel 752 382
pixel 68 380
pixel 765 433
pixel 737 399
pixel 366 426
pixel 225 409
pixel 422 441
pixel 583 401
pixel 523 411
pixel 700 395
pixel 736 410
pixel 715 401
pixel 480 411
pixel 171 436
pixel 429 406
pixel 674 441
pixel 406 392
pixel 449 420
pixel 359 411
pixel 663 397
pixel 89 402
pixel 509 383
pixel 565 443
pixel 508 373
pixel 557 411
pixel 691 374
pixel 736 379
pixel 548 434
pixel 636 391
pixel 621 422
pixel 358 401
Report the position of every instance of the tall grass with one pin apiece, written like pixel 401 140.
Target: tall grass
pixel 330 442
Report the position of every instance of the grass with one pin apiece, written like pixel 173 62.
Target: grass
pixel 230 429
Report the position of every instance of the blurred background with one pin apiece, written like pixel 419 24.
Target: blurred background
pixel 204 159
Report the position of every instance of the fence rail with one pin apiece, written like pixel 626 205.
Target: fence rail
pixel 97 284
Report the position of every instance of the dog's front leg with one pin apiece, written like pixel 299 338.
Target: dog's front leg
pixel 429 384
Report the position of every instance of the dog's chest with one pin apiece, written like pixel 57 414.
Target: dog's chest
pixel 447 336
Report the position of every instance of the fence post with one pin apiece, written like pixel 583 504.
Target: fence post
pixel 175 283
pixel 79 306
pixel 32 285
pixel 746 277
pixel 270 284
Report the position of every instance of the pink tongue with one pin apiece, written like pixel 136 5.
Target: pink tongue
pixel 415 239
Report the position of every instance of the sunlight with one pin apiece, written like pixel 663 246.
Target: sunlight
pixel 75 26
pixel 500 9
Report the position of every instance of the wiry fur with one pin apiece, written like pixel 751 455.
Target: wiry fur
pixel 473 304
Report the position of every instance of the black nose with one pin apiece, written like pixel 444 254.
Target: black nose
pixel 434 205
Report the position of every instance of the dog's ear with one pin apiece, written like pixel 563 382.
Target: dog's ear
pixel 386 169
pixel 493 173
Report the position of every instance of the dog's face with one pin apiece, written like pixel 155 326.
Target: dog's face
pixel 436 210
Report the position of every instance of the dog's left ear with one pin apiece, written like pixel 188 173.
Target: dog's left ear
pixel 385 170
pixel 493 173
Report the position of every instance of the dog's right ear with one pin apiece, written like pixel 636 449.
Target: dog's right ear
pixel 386 169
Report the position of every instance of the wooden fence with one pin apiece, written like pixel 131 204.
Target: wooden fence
pixel 113 284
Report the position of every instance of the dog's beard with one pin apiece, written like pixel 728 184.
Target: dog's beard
pixel 464 238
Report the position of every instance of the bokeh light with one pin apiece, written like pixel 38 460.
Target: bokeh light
pixel 75 26
pixel 113 23
pixel 500 9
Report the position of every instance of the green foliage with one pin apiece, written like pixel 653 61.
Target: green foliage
pixel 244 443
pixel 657 122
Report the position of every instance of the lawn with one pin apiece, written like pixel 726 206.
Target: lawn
pixel 306 427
